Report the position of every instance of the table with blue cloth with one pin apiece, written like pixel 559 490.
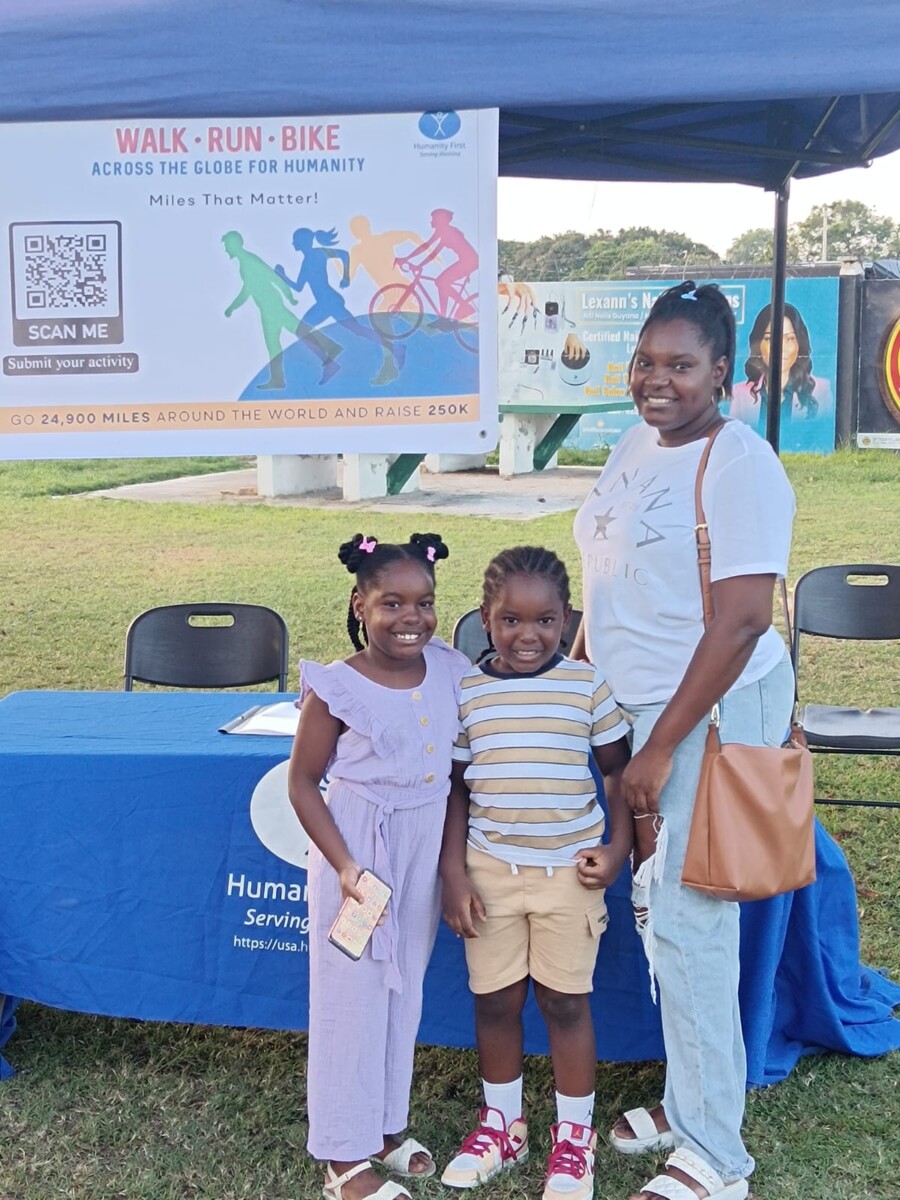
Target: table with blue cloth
pixel 151 867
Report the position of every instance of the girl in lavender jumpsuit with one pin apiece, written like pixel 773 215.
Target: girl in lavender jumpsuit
pixel 382 723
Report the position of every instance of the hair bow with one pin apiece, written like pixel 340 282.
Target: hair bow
pixel 691 295
pixel 368 544
pixel 431 554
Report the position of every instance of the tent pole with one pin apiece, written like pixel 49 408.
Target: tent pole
pixel 779 270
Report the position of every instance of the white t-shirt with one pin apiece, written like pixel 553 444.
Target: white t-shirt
pixel 642 605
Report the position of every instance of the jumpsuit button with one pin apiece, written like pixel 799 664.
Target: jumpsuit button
pixel 429 778
pixel 423 720
pixel 417 695
pixel 429 749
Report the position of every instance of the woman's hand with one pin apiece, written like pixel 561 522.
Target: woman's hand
pixel 575 349
pixel 461 905
pixel 644 779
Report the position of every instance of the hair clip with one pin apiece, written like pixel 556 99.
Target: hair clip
pixel 368 544
pixel 431 554
pixel 691 295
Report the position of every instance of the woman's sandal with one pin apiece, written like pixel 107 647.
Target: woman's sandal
pixel 646 1136
pixel 701 1172
pixel 333 1188
pixel 399 1159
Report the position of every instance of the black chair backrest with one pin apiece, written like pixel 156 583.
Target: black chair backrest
pixel 167 646
pixel 471 640
pixel 829 603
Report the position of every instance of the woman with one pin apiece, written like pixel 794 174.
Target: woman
pixel 644 628
pixel 803 396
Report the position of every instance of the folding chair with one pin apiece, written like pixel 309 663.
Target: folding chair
pixel 856 602
pixel 471 640
pixel 183 645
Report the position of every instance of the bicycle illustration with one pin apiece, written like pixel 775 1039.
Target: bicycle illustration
pixel 397 310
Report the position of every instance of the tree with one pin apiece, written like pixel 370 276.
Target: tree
pixel 754 246
pixel 610 256
pixel 844 229
pixel 548 260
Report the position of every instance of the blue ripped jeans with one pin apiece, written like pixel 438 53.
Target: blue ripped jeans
pixel 695 941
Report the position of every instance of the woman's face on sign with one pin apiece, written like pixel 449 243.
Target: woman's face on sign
pixel 790 348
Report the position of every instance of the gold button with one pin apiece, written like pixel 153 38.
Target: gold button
pixel 429 749
pixel 417 695
pixel 423 720
pixel 429 779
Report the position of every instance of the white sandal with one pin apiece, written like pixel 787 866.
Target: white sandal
pixel 399 1159
pixel 646 1136
pixel 701 1172
pixel 333 1187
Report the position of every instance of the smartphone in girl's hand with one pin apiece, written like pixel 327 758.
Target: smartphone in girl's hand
pixel 355 922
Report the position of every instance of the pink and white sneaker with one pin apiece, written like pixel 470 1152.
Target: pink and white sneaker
pixel 570 1167
pixel 487 1150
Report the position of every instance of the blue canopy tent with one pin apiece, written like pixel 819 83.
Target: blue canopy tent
pixel 715 91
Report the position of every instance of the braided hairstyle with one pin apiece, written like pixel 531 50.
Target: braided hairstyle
pixel 523 560
pixel 367 559
pixel 708 310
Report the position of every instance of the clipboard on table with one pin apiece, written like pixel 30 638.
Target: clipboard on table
pixel 268 720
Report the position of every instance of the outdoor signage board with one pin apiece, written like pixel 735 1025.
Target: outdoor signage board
pixel 281 285
pixel 878 420
pixel 566 347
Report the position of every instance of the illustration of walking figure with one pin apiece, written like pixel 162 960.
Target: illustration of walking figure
pixel 316 248
pixel 268 290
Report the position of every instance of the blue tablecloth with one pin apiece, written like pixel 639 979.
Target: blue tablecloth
pixel 135 880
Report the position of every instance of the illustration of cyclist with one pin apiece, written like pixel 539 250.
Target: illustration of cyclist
pixel 447 237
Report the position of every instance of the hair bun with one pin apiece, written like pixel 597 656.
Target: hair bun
pixel 430 545
pixel 351 553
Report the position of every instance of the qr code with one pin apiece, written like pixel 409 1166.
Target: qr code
pixel 62 269
pixel 66 279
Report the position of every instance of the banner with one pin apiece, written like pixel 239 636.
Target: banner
pixel 287 285
pixel 878 421
pixel 565 347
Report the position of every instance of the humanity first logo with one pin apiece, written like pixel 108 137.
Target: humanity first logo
pixel 441 129
pixel 274 820
pixel 439 126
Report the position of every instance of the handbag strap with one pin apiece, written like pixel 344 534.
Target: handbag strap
pixel 701 530
pixel 704 561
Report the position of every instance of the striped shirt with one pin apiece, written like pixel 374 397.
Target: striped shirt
pixel 527 740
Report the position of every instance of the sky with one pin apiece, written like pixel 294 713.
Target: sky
pixel 711 213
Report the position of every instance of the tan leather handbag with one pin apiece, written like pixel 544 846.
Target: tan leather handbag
pixel 753 830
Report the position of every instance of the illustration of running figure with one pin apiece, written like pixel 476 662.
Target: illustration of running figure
pixel 376 253
pixel 269 291
pixel 329 304
pixel 447 237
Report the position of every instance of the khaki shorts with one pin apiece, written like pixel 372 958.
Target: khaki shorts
pixel 545 926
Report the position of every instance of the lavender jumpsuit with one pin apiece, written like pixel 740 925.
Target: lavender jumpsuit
pixel 389 780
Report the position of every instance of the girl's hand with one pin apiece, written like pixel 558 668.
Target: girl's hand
pixel 462 906
pixel 348 877
pixel 644 779
pixel 598 866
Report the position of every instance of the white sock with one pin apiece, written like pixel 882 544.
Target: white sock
pixel 505 1097
pixel 577 1109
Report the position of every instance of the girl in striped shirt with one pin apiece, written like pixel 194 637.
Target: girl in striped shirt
pixel 522 865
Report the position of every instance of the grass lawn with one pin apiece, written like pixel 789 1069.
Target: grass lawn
pixel 121 1110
